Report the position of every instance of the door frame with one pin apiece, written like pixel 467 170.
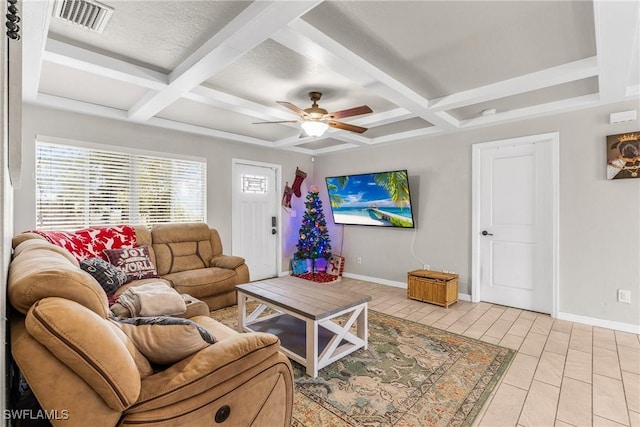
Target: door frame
pixel 278 186
pixel 554 138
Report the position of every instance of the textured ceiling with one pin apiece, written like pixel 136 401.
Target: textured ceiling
pixel 423 67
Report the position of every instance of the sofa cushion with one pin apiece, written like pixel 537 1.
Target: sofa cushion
pixel 216 328
pixel 40 269
pixel 181 247
pixel 165 340
pixel 203 282
pixel 90 346
pixel 38 244
pixel 135 262
pixel 227 261
pixel 107 275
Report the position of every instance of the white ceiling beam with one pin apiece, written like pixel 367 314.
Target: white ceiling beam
pixel 331 133
pixel 201 130
pixel 334 148
pixel 555 107
pixel 300 150
pixel 218 99
pixel 431 130
pixel 116 114
pixel 250 28
pixel 295 140
pixel 67 55
pixel 66 104
pixel 350 137
pixel 99 64
pixel 383 118
pixel 317 46
pixel 616 24
pixel 91 62
pixel 564 73
pixel 36 16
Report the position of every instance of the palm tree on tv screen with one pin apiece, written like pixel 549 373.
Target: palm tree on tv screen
pixel 334 198
pixel 395 183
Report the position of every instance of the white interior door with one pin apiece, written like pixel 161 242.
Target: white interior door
pixel 514 222
pixel 256 221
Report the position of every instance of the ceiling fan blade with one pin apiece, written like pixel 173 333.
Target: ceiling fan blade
pixel 346 126
pixel 293 108
pixel 278 121
pixel 356 111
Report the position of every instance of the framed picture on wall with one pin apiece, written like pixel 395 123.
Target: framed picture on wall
pixel 623 155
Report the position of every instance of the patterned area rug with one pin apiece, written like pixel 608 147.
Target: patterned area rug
pixel 411 375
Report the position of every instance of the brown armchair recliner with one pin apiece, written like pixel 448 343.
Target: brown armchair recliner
pixel 84 370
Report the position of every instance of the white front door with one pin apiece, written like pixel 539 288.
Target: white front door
pixel 256 220
pixel 515 190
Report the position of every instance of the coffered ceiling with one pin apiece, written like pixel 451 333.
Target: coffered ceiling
pixel 424 67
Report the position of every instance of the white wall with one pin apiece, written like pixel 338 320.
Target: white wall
pixel 219 155
pixel 599 219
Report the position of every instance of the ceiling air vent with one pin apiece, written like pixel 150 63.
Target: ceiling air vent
pixel 91 15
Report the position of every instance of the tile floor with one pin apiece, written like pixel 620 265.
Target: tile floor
pixel 564 373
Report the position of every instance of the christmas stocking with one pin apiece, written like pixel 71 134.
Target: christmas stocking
pixel 300 176
pixel 286 198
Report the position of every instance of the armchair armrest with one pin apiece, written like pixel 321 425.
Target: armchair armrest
pixel 209 368
pixel 226 261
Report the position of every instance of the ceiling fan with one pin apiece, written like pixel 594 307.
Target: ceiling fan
pixel 315 120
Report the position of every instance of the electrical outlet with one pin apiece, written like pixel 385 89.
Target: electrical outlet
pixel 359 260
pixel 624 296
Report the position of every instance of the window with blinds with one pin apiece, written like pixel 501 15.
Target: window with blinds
pixel 79 187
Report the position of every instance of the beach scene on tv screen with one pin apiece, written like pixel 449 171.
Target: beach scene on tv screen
pixel 380 199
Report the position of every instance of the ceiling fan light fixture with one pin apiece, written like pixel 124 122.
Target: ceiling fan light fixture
pixel 313 128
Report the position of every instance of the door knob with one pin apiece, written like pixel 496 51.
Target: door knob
pixel 486 233
pixel 273 231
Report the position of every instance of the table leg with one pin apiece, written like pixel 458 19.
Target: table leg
pixel 312 348
pixel 242 314
pixel 362 327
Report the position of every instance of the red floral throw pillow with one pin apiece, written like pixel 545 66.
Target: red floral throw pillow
pixel 134 261
pixel 68 240
pixel 101 238
pixel 91 242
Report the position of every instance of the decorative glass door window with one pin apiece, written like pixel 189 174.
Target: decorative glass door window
pixel 254 184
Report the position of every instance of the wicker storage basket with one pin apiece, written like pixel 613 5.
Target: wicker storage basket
pixel 433 286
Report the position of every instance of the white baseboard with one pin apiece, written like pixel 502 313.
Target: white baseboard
pixel 464 297
pixel 609 324
pixel 393 283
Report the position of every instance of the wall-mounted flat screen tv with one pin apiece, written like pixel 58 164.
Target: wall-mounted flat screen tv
pixel 379 199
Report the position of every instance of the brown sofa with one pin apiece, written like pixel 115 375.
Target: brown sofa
pixel 189 256
pixel 86 371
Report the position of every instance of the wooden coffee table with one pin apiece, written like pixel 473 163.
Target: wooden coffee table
pixel 303 316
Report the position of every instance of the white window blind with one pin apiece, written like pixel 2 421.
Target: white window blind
pixel 79 187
